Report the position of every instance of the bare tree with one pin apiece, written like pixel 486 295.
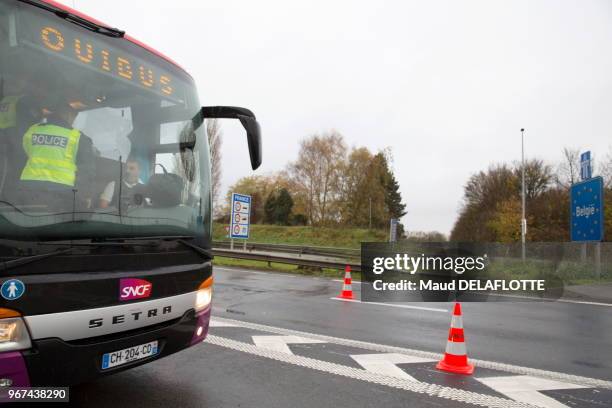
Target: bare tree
pixel 426 236
pixel 318 171
pixel 215 134
pixel 568 171
pixel 605 168
pixel 538 177
pixel 356 192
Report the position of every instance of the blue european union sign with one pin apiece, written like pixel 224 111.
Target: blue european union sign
pixel 586 210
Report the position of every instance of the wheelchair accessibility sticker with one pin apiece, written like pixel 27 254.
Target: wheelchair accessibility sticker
pixel 12 289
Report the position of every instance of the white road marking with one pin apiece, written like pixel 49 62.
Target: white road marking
pixel 433 390
pixel 219 323
pixel 279 343
pixel 578 302
pixel 509 368
pixel 522 388
pixel 430 309
pixel 385 363
pixel 582 302
pixel 526 388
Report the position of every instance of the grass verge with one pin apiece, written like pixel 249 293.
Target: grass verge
pixel 300 235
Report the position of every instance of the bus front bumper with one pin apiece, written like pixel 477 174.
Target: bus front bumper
pixel 54 362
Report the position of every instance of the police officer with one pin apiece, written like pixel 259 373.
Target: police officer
pixel 8 111
pixel 61 162
pixel 17 113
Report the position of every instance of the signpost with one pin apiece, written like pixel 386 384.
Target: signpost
pixel 240 217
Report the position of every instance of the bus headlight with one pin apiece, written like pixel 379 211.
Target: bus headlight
pixel 204 295
pixel 13 332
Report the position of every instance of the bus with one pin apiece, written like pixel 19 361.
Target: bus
pixel 105 199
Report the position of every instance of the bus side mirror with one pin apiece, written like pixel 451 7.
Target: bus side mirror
pixel 249 122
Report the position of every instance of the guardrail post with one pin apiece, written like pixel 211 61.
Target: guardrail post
pixel 598 260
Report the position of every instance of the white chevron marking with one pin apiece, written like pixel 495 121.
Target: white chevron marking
pixel 279 343
pixel 385 363
pixel 525 388
pixel 218 323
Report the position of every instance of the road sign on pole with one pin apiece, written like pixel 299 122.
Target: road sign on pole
pixel 241 216
pixel 585 166
pixel 393 230
pixel 587 211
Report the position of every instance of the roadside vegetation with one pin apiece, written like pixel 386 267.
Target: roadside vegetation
pixel 333 196
pixel 303 235
pixel 564 273
pixel 328 185
pixel 491 207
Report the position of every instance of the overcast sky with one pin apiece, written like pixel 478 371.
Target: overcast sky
pixel 446 84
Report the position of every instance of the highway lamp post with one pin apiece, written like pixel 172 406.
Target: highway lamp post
pixel 523 219
pixel 370 223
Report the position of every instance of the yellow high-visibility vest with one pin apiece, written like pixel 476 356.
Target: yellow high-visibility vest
pixel 52 153
pixel 8 111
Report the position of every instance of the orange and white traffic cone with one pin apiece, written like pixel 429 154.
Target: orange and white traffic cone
pixel 455 358
pixel 347 288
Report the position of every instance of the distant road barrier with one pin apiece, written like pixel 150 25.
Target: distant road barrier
pixel 348 253
pixel 311 260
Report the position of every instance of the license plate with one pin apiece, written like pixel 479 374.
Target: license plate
pixel 120 357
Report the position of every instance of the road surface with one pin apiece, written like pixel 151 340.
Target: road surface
pixel 280 340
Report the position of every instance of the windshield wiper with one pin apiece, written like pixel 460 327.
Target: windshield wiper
pixel 80 21
pixel 154 237
pixel 14 263
pixel 100 244
pixel 205 252
pixel 181 239
pixel 98 28
pixel 138 241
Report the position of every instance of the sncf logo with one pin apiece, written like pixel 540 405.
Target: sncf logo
pixel 134 289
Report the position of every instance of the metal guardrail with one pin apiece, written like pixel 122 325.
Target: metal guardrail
pixel 348 253
pixel 321 262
